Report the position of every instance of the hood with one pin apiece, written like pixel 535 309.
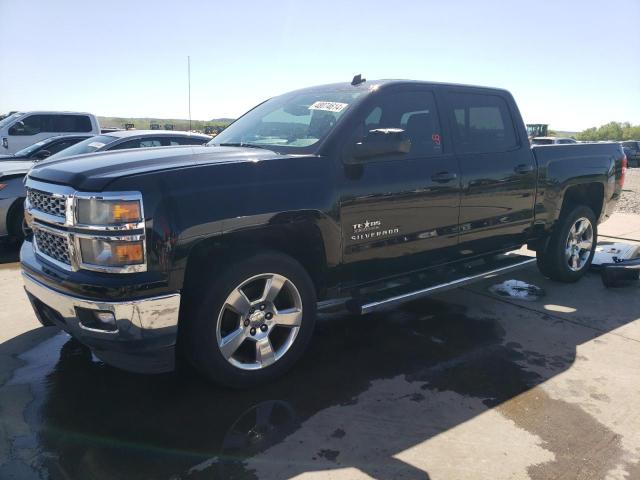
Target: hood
pixel 17 167
pixel 94 171
pixel 8 156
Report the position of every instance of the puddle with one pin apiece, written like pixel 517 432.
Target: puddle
pixel 517 289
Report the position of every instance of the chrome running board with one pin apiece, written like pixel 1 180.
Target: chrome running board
pixel 375 306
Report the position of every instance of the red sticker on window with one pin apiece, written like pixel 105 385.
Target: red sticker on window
pixel 436 138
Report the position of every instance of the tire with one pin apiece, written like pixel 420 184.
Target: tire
pixel 237 340
pixel 16 223
pixel 569 253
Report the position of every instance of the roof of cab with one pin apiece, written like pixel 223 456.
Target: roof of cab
pixel 376 84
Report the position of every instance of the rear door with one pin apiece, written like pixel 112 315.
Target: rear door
pixel 497 167
pixel 399 212
pixel 67 124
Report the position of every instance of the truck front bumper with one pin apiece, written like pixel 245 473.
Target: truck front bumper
pixel 138 335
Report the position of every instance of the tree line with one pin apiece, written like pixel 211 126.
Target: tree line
pixel 611 131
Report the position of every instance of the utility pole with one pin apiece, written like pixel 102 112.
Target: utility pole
pixel 189 80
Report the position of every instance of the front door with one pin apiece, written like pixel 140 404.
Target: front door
pixel 29 130
pixel 399 212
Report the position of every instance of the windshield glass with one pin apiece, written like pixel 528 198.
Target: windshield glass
pixel 7 121
pixel 291 123
pixel 89 145
pixel 25 152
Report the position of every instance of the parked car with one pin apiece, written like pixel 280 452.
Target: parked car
pixel 45 148
pixel 125 139
pixel 360 195
pixel 632 149
pixel 552 141
pixel 22 129
pixel 12 191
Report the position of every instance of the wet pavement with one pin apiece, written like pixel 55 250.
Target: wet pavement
pixel 468 384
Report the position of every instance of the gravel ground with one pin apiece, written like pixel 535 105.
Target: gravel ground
pixel 630 200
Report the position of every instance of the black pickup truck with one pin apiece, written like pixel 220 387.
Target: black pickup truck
pixel 360 195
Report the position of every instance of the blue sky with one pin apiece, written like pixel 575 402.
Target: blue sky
pixel 573 64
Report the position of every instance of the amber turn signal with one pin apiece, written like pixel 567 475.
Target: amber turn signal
pixel 128 253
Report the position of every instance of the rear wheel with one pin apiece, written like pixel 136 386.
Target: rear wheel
pixel 253 321
pixel 569 252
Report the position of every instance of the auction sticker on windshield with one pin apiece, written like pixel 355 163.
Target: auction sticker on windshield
pixel 329 106
pixel 96 144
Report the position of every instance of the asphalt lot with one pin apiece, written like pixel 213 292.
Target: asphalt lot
pixel 467 384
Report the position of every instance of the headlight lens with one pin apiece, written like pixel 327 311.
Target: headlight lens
pixel 111 253
pixel 108 212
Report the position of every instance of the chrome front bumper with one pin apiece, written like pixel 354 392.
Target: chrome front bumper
pixel 145 334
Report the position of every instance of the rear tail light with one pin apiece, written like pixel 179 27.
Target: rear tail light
pixel 623 172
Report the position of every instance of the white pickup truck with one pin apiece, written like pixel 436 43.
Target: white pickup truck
pixel 22 129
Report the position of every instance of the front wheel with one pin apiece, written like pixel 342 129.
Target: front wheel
pixel 569 252
pixel 253 321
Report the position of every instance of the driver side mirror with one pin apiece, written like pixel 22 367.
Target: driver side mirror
pixel 382 141
pixel 42 154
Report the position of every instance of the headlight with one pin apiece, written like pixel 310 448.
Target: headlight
pixel 111 253
pixel 93 211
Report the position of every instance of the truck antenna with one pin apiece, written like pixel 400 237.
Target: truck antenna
pixel 357 80
pixel 189 81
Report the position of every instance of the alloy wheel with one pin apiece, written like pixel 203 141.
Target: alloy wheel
pixel 259 321
pixel 579 244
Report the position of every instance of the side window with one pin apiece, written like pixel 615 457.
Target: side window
pixel 150 142
pixel 481 123
pixel 125 145
pixel 71 123
pixel 138 143
pixel 31 125
pixel 176 141
pixel 414 112
pixel 83 123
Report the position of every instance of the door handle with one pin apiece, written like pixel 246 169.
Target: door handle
pixel 523 168
pixel 443 177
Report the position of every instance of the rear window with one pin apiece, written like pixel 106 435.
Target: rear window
pixel 481 123
pixel 541 141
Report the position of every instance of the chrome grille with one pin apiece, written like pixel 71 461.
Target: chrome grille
pixel 52 245
pixel 47 203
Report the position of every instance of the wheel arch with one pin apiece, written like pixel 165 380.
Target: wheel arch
pixel 303 240
pixel 588 194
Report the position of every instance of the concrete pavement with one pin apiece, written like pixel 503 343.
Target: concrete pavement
pixel 463 385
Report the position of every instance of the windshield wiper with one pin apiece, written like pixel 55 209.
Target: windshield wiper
pixel 240 144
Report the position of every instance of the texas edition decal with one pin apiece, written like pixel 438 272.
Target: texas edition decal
pixel 371 229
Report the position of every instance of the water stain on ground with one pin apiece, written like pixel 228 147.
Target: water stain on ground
pixel 575 435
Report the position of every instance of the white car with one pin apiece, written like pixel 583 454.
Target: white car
pixel 22 129
pixel 552 141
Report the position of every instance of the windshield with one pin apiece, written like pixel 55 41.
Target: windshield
pixel 89 145
pixel 6 121
pixel 25 152
pixel 291 123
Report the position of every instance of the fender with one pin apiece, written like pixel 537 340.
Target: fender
pixel 559 172
pixel 210 203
